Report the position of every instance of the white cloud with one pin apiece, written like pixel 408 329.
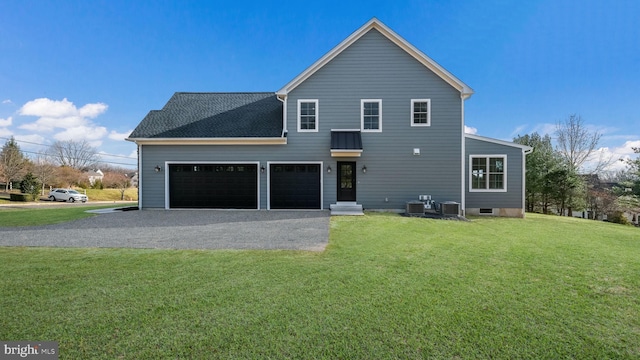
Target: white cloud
pixel 6 122
pixel 518 131
pixel 7 101
pixel 545 129
pixel 114 135
pixel 470 130
pixel 61 114
pixel 5 133
pixel 89 133
pixel 624 152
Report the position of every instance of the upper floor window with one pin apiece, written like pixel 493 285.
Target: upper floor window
pixel 420 112
pixel 488 173
pixel 308 115
pixel 371 115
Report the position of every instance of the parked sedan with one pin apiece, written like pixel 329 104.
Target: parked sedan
pixel 69 195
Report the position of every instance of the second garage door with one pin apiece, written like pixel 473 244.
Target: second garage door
pixel 294 186
pixel 216 186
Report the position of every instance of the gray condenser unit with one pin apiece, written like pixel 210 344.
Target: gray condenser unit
pixel 415 208
pixel 449 208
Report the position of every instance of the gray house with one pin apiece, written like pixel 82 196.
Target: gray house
pixel 372 124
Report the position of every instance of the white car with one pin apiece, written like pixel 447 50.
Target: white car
pixel 69 195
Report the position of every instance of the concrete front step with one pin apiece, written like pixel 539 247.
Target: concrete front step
pixel 347 208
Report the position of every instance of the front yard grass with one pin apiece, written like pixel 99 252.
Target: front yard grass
pixel 28 216
pixel 386 287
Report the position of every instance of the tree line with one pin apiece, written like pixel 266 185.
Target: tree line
pixel 572 174
pixel 64 166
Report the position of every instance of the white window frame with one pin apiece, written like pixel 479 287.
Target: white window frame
pixel 487 157
pixel 315 101
pixel 428 101
pixel 362 102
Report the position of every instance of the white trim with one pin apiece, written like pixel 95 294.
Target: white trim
pixel 362 102
pixel 317 117
pixel 210 141
pixel 269 163
pixel 166 175
pixel 463 156
pixel 428 123
pixel 487 156
pixel 374 23
pixel 524 180
pixel 338 130
pixel 499 142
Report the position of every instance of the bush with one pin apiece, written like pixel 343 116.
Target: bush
pixel 618 218
pixel 30 185
pixel 20 197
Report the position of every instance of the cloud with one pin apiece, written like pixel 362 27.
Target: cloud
pixel 89 133
pixel 517 131
pixel 7 101
pixel 59 114
pixel 470 130
pixel 5 133
pixel 114 135
pixel 545 129
pixel 615 154
pixel 6 122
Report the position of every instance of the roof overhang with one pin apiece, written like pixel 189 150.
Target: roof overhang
pixel 209 141
pixel 374 23
pixel 526 149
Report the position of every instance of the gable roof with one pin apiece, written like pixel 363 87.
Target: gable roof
pixel 525 148
pixel 213 115
pixel 376 24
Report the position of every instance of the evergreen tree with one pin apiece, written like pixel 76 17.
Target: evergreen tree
pixel 12 162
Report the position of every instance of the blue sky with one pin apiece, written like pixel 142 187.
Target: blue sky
pixel 93 69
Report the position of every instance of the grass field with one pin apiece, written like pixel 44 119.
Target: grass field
pixel 386 287
pixel 28 216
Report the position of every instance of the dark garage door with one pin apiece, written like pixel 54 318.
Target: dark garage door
pixel 217 186
pixel 295 186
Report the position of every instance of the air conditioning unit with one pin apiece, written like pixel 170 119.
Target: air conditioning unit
pixel 449 208
pixel 415 208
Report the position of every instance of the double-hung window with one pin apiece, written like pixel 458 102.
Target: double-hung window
pixel 308 115
pixel 488 173
pixel 371 115
pixel 420 112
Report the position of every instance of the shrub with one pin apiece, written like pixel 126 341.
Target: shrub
pixel 30 185
pixel 618 218
pixel 20 197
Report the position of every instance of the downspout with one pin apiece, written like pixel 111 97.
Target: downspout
pixel 283 99
pixel 463 200
pixel 525 152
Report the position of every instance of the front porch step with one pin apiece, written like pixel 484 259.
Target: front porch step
pixel 346 208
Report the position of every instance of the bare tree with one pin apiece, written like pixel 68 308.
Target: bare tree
pixel 75 154
pixel 118 181
pixel 577 145
pixel 12 162
pixel 44 170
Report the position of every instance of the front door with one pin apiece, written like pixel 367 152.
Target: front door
pixel 346 181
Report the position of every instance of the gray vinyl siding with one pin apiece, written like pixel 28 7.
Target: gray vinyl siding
pixel 371 68
pixel 375 68
pixel 512 198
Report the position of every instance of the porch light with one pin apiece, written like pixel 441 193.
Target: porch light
pixel 329 168
pixel 262 169
pixel 157 168
pixel 364 169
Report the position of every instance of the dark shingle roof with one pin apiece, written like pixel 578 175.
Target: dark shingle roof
pixel 346 140
pixel 215 115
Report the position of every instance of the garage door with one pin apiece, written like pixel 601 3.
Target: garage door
pixel 294 186
pixel 216 186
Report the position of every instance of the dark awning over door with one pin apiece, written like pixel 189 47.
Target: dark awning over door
pixel 346 143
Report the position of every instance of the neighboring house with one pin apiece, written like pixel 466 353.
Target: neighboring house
pixel 372 124
pixel 94 175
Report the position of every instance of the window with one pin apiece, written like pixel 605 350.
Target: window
pixel 420 112
pixel 308 115
pixel 371 115
pixel 488 173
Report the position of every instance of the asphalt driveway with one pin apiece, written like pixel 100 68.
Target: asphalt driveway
pixel 182 229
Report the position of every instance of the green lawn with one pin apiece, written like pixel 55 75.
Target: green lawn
pixel 386 287
pixel 29 216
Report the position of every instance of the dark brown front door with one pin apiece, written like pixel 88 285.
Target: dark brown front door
pixel 346 181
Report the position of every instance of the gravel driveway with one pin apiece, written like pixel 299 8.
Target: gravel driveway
pixel 182 229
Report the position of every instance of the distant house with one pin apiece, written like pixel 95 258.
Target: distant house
pixel 373 124
pixel 94 175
